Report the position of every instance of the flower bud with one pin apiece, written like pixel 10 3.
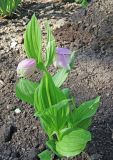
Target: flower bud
pixel 63 57
pixel 26 68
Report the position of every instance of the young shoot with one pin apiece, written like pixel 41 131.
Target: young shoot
pixel 65 124
pixel 7 7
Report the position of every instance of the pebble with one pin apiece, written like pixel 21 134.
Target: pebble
pixel 17 111
pixel 107 94
pixel 20 39
pixel 13 44
pixel 10 106
pixel 1 84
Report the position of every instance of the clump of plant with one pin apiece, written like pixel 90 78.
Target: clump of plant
pixel 84 3
pixel 7 7
pixel 65 123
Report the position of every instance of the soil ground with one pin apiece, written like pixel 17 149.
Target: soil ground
pixel 89 32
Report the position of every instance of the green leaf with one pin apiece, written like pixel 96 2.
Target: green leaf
pixel 72 60
pixel 66 91
pixel 47 94
pixel 84 124
pixel 60 77
pixel 8 6
pixel 84 111
pixel 55 118
pixel 73 143
pixel 52 146
pixel 84 3
pixel 45 155
pixel 32 41
pixel 51 47
pixel 25 90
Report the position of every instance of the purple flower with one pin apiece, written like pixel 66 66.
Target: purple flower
pixel 63 58
pixel 26 68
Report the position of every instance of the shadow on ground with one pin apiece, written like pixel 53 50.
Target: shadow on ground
pixel 93 72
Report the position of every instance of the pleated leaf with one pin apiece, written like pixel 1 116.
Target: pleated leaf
pixel 73 143
pixel 84 112
pixel 60 77
pixel 32 40
pixel 52 146
pixel 55 117
pixel 8 6
pixel 47 94
pixel 84 124
pixel 25 90
pixel 51 46
pixel 45 155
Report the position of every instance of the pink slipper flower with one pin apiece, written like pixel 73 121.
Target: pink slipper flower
pixel 26 68
pixel 63 58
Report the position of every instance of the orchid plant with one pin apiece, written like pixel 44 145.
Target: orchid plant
pixel 8 6
pixel 65 123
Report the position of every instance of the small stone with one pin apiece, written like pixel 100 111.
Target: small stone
pixel 1 84
pixel 35 127
pixel 13 44
pixel 107 94
pixel 10 106
pixel 94 26
pixel 17 111
pixel 20 39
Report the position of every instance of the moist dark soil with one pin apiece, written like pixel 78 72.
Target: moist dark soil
pixel 87 31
